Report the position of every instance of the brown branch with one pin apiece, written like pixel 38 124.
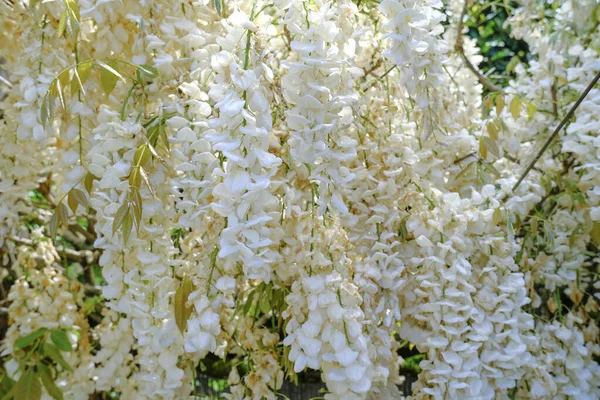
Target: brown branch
pixel 558 129
pixel 459 48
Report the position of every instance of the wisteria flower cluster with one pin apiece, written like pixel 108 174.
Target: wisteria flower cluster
pixel 294 187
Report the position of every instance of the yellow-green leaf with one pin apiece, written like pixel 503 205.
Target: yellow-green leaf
pixel 127 227
pixel 487 103
pixel 499 104
pixel 492 129
pixel 482 149
pixel 142 155
pixel 146 181
pixel 109 76
pixel 74 7
pixel 79 197
pixel 497 216
pixel 595 233
pixel 135 178
pixel 88 182
pixel 72 202
pixel 28 387
pixel 136 201
pixel 48 382
pixel 47 109
pixel 81 75
pixel 61 24
pixel 534 225
pixel 182 311
pixel 491 146
pixel 531 109
pixel 515 107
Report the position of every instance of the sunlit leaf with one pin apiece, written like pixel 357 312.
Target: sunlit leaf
pixel 109 76
pixel 142 155
pixel 62 24
pixel 146 180
pixel 81 75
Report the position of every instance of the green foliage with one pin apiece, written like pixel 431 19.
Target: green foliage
pixel 501 53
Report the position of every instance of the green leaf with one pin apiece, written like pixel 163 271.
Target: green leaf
pixel 51 351
pixel 25 341
pixel 148 71
pixel 463 172
pixel 217 4
pixel 109 76
pixel 47 109
pixel 127 227
pixel 61 340
pixel 48 382
pixel 120 217
pixel 28 387
pixel 183 312
pixel 53 225
pixel 6 385
pixel 63 214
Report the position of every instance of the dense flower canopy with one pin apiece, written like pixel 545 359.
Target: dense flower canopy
pixel 293 186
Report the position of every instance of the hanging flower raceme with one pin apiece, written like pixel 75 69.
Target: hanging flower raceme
pixel 262 190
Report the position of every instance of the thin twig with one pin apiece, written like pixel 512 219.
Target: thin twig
pixel 558 129
pixel 459 48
